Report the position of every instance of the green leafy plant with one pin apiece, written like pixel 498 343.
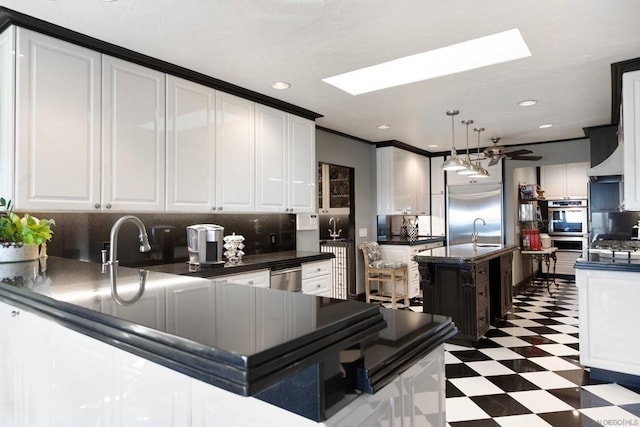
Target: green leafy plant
pixel 26 229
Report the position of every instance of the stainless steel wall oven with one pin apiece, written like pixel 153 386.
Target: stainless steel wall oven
pixel 568 218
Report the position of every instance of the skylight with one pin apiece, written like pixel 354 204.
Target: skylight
pixel 476 53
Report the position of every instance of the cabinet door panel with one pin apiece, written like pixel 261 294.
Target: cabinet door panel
pixel 577 180
pixel 553 180
pixel 133 143
pixel 302 164
pixel 235 153
pixel 437 175
pixel 191 137
pixel 271 160
pixel 7 112
pixel 631 121
pixel 58 124
pixel 438 226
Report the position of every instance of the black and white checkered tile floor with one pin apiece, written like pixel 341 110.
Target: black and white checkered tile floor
pixel 526 371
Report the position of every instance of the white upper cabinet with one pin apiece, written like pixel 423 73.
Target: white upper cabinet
pixel 565 181
pixel 437 175
pixel 272 149
pixel 495 175
pixel 631 135
pixel 7 114
pixel 58 124
pixel 285 162
pixel 191 143
pixel 402 178
pixel 302 164
pixel 133 137
pixel 235 154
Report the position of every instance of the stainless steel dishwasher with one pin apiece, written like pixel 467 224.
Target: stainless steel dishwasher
pixel 287 278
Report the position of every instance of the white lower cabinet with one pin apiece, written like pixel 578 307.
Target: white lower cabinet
pixel 259 278
pixel 316 278
pixel 405 254
pixel 609 319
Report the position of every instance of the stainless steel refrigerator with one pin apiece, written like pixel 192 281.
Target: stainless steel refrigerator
pixel 468 202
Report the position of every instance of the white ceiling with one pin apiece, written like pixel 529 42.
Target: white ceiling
pixel 252 43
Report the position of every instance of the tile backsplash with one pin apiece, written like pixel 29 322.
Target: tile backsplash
pixel 82 235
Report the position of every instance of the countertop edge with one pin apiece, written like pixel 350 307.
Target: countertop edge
pixel 582 264
pixel 465 259
pixel 410 242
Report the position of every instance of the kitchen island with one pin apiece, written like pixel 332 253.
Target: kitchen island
pixel 608 295
pixel 196 351
pixel 473 286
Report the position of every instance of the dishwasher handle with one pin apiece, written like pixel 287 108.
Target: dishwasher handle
pixel 275 272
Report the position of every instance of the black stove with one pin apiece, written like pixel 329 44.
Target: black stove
pixel 616 248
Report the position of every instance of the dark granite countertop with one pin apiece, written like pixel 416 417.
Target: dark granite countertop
pixel 464 253
pixel 420 240
pixel 244 339
pixel 251 262
pixel 591 261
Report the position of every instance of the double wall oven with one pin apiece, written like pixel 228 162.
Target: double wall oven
pixel 569 231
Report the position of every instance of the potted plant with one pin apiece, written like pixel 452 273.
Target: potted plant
pixel 21 237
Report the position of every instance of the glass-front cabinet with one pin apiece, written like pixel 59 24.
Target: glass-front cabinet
pixel 334 189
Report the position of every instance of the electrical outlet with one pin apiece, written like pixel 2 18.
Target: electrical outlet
pixel 362 232
pixel 273 238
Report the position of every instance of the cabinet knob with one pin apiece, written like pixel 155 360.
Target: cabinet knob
pixel 251 282
pixel 213 208
pixel 318 286
pixel 15 313
pixel 97 206
pixel 220 208
pixel 108 206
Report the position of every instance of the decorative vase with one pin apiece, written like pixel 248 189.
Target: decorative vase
pixel 17 252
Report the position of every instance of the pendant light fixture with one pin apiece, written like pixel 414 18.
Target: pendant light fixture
pixel 453 163
pixel 469 168
pixel 480 171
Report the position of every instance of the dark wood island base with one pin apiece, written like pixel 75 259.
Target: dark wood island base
pixel 473 287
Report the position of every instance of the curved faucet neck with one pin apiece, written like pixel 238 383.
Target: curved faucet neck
pixel 113 245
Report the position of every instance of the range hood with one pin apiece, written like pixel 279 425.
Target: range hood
pixel 612 165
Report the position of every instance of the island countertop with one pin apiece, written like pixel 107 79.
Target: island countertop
pixel 246 339
pixel 464 253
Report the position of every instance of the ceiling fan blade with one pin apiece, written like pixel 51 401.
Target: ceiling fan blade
pixel 494 160
pixel 525 157
pixel 518 152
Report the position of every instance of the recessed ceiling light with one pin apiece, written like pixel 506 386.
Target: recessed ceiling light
pixel 433 145
pixel 527 103
pixel 476 53
pixel 383 126
pixel 544 126
pixel 280 85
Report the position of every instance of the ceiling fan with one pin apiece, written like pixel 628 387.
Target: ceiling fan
pixel 496 153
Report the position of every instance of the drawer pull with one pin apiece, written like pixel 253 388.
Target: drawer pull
pixel 15 313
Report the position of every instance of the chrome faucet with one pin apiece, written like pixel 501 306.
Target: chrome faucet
pixel 474 235
pixel 113 257
pixel 333 233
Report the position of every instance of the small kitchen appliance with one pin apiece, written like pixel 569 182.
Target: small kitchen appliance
pixel 204 243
